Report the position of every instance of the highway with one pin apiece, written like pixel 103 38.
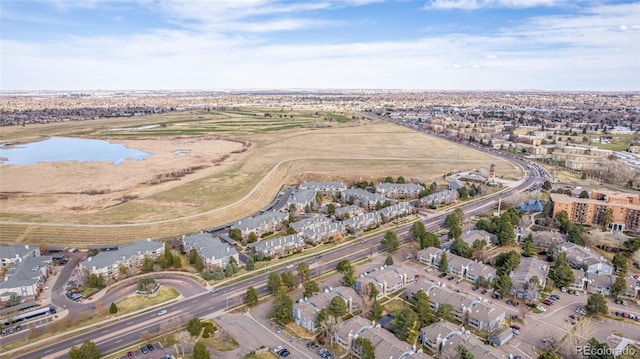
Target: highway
pixel 128 331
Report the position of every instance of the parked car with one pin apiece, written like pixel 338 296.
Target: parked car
pixel 541 308
pixel 515 326
pixel 278 349
pixel 547 302
pixel 442 275
pixel 450 278
pixel 150 347
pixel 484 291
pixel 474 288
pixel 144 350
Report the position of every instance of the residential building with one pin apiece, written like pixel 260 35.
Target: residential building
pixel 362 222
pixel 349 211
pixel 501 337
pixel 473 344
pixel 17 252
pixel 399 190
pixel 432 336
pixel 485 317
pixel 131 257
pixel 309 223
pixel 324 233
pixel 621 210
pixel 388 280
pixel 279 246
pixel 395 211
pixel 270 221
pixel 600 283
pixel 362 198
pixel 580 257
pixel 305 311
pixel 430 255
pixel 529 268
pixel 440 197
pixel 326 188
pixel 213 252
pixel 25 279
pixel 470 237
pixel 301 199
pixel 477 270
pixel 460 266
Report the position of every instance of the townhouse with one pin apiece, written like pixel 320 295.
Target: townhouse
pixel 529 268
pixel 305 311
pixel 388 279
pixel 362 198
pixel 473 344
pixel 131 256
pixel 349 211
pixel 213 252
pixel 399 190
pixel 309 223
pixel 600 283
pixel 270 221
pixel 470 237
pixel 280 246
pixel 439 198
pixel 395 211
pixel 12 254
pixel 385 344
pixel 25 279
pixel 301 199
pixel 485 317
pixel 580 257
pixel 326 188
pixel 434 335
pixel 460 266
pixel 324 233
pixel 362 222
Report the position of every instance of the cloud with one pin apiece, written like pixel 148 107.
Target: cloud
pixel 478 4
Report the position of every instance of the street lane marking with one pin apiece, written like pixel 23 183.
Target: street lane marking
pixel 118 341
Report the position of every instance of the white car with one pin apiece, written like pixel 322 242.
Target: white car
pixel 541 308
pixel 290 266
pixel 162 312
pixel 277 349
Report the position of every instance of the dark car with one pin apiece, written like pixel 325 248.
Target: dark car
pixel 484 291
pixel 150 347
pixel 450 278
pixel 144 350
pixel 474 288
pixel 311 344
pixel 442 275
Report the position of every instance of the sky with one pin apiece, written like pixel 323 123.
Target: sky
pixel 555 45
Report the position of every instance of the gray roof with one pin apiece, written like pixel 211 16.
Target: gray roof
pixel 208 246
pixel 337 186
pixel 25 273
pixel 308 223
pixel 15 251
pixel 301 196
pixel 109 258
pixel 439 329
pixel 289 240
pixel 362 194
pixel 399 186
pixel 347 209
pixel 259 220
pixel 528 268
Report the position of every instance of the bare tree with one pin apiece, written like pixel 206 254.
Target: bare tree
pixel 33 333
pixel 100 309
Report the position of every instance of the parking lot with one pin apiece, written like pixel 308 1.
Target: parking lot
pixel 142 351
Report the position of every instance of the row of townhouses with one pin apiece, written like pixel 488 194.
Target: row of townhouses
pixel 305 310
pixel 213 251
pixel 387 279
pixel 399 190
pixel 603 284
pixel 443 337
pixel 438 198
pixel 26 273
pixel 460 266
pixel 362 198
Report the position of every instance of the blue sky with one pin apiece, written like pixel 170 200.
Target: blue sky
pixel 352 44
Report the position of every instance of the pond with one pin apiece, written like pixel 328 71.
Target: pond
pixel 59 149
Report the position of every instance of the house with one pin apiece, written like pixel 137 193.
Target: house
pixel 388 280
pixel 458 265
pixel 324 233
pixel 470 237
pixel 477 270
pixel 501 337
pixel 300 199
pixel 270 221
pixel 362 198
pixel 344 333
pixel 279 246
pixel 25 279
pixel 473 344
pixel 430 255
pixel 528 269
pixel 395 211
pixel 12 254
pixel 485 317
pixel 309 223
pixel 580 281
pixel 600 283
pixel 399 190
pixel 579 257
pixel 305 310
pixel 131 257
pixel 548 239
pixel 349 211
pixel 213 252
pixel 362 222
pixel 326 188
pixel 440 197
pixel 433 335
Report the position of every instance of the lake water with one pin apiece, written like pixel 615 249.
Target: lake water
pixel 58 149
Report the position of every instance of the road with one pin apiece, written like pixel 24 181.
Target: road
pixel 128 331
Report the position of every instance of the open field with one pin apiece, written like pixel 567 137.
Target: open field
pixel 246 158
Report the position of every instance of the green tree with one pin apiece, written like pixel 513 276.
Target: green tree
pixel 417 231
pixel 596 304
pixel 14 299
pixel 420 302
pixel 304 273
pixel 405 325
pixel 631 245
pixel 561 273
pixel 620 262
pixel 528 250
pixel 200 351
pixel 401 180
pixel 365 348
pixel 443 265
pixel 194 327
pixel 337 306
pixel 310 288
pixel 507 262
pixel 389 260
pixel 388 179
pixel 584 194
pixel 251 297
pixel 390 242
pixel 599 350
pixel 464 194
pixel 252 237
pixel 289 280
pixel 283 308
pixel 618 286
pixel 88 350
pixel 463 353
pixel 274 282
pixel 373 291
pixel 548 355
pixel 113 308
pixel 331 208
pixel 344 267
pixel 506 234
pixel 375 313
pixel 546 185
pixel 461 248
pixel 445 311
pixel 235 234
pixel 429 240
pixel 502 284
pixel 147 283
pixel 96 281
pixel 250 264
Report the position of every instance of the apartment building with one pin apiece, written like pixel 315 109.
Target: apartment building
pixel 213 252
pixel 623 209
pixel 270 221
pixel 399 190
pixel 326 188
pixel 131 256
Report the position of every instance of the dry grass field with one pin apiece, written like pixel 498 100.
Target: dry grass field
pixel 242 158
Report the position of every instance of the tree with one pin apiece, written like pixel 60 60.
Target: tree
pixel 289 280
pixel 274 282
pixel 405 325
pixel 235 234
pixel 250 264
pixel 147 284
pixel 376 311
pixel 14 299
pixel 167 259
pixel 326 321
pixel 507 262
pixel 373 291
pixel 561 273
pixel 417 231
pixel 546 185
pixel 283 308
pixel 337 306
pixel 548 355
pixel 620 262
pixel 584 194
pixel 251 297
pixel 389 260
pixel 502 284
pixel 100 309
pixel 443 265
pixel 200 351
pixel 429 240
pixel 194 327
pixel 631 245
pixel 88 350
pixel 195 260
pixel 310 288
pixel 304 273
pixel 331 208
pixel 463 353
pixel 113 308
pixel 445 311
pixel 599 350
pixel 390 242
pixel 96 281
pixel 528 249
pixel 344 267
pixel 420 302
pixel 461 248
pixel 365 348
pixel 464 194
pixel 506 234
pixel 618 286
pixel 252 237
pixel 596 304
